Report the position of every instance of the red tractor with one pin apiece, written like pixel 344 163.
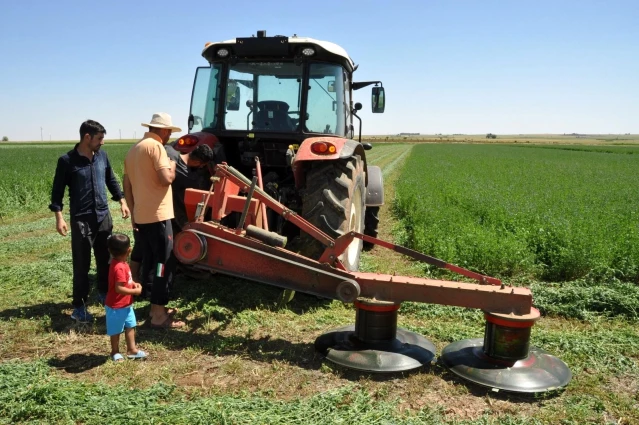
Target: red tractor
pixel 285 104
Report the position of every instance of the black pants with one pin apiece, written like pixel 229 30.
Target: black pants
pixel 87 233
pixel 137 254
pixel 158 263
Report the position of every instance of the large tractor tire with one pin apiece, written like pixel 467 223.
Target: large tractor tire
pixel 334 201
pixel 371 223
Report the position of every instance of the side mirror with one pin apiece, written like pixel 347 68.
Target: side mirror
pixel 194 119
pixel 367 146
pixel 378 100
pixel 357 106
pixel 233 97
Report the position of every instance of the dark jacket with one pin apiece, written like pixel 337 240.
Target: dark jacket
pixel 86 180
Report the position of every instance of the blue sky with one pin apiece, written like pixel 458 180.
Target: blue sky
pixel 448 66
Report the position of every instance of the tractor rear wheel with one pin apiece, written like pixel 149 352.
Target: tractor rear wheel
pixel 334 201
pixel 371 222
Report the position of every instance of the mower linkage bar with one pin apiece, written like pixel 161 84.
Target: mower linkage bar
pixel 483 280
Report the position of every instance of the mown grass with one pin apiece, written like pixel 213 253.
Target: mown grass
pixel 29 392
pixel 241 359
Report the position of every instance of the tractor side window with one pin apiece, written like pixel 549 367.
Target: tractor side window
pixel 326 100
pixel 204 99
pixel 348 106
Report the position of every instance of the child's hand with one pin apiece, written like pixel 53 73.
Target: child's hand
pixel 138 288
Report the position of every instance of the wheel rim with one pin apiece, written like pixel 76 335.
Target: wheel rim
pixel 354 225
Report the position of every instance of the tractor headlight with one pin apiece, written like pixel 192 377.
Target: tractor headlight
pixel 223 52
pixel 308 51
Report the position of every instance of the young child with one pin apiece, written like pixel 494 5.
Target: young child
pixel 119 300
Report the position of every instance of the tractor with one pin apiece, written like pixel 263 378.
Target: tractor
pixel 285 104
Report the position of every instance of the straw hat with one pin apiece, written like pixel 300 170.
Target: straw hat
pixel 162 120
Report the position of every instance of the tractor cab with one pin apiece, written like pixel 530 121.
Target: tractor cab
pixel 261 94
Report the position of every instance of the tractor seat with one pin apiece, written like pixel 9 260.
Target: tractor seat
pixel 273 115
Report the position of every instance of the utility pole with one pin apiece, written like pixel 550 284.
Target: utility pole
pixel 41 139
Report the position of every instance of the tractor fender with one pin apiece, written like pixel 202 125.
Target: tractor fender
pixel 345 148
pixel 374 187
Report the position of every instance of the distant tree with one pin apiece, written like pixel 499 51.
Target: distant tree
pixel 491 136
pixel 5 139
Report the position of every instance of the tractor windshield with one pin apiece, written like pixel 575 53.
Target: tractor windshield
pixel 263 96
pixel 267 96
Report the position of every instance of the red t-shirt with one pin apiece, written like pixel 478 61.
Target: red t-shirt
pixel 119 271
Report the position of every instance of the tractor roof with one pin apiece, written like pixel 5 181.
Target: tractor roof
pixel 210 48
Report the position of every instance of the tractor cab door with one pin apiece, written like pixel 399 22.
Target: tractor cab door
pixel 204 98
pixel 328 100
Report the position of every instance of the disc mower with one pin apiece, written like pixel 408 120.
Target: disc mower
pixel 502 360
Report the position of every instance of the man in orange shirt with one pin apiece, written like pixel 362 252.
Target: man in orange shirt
pixel 148 174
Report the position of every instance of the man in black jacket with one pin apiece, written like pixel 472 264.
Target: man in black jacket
pixel 87 172
pixel 187 175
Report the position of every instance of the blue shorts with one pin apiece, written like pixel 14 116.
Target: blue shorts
pixel 119 319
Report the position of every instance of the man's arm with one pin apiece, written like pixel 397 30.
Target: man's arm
pixel 60 224
pixel 167 175
pixel 128 196
pixel 57 195
pixel 164 166
pixel 114 188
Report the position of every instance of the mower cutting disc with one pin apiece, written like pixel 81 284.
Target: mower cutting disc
pixel 406 351
pixel 538 372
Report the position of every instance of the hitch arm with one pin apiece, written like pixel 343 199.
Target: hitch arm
pixel 345 240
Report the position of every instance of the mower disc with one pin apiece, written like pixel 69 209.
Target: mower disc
pixel 406 351
pixel 539 372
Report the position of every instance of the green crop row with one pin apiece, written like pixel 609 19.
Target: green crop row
pixel 615 149
pixel 549 214
pixel 26 175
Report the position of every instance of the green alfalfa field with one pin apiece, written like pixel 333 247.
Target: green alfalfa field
pixel 561 220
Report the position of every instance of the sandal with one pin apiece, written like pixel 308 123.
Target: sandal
pixel 137 356
pixel 117 357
